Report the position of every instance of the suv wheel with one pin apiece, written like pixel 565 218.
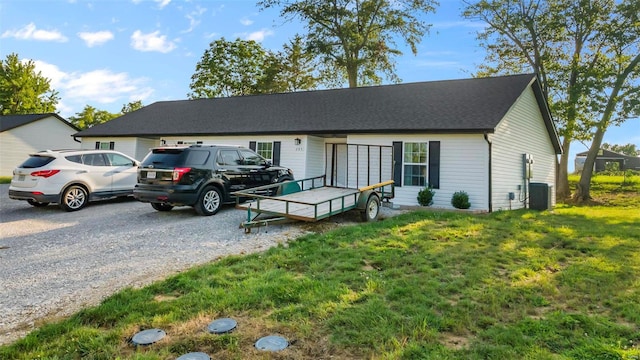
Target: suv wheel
pixel 161 207
pixel 209 201
pixel 74 198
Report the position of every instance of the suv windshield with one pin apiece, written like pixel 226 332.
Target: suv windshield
pixel 36 161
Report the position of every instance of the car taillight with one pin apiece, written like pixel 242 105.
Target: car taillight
pixel 45 173
pixel 178 173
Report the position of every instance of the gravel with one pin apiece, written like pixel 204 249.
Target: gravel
pixel 54 263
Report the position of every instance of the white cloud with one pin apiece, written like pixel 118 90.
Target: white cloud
pixel 95 38
pixel 194 18
pixel 29 32
pixel 151 42
pixel 78 89
pixel 246 21
pixel 162 3
pixel 259 35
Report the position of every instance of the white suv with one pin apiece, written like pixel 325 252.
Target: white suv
pixel 71 178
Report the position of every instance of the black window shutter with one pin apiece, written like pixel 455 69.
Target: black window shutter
pixel 97 145
pixel 397 163
pixel 112 145
pixel 276 153
pixel 252 145
pixel 434 164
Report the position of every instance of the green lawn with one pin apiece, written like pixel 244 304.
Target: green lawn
pixel 424 285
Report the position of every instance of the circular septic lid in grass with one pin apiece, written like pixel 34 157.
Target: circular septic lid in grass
pixel 272 343
pixel 222 326
pixel 148 337
pixel 194 356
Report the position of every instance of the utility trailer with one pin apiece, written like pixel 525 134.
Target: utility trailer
pixel 357 177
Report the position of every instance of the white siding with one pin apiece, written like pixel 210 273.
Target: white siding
pixel 48 133
pixel 521 131
pixel 315 162
pixel 291 156
pixel 137 148
pixel 463 167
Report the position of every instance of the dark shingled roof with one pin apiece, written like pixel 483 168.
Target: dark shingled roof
pixel 8 122
pixel 453 106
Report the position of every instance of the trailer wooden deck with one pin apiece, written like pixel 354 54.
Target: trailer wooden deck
pixel 308 205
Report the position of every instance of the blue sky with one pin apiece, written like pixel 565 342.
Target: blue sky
pixel 106 53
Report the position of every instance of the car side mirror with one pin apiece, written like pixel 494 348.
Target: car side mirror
pixel 267 163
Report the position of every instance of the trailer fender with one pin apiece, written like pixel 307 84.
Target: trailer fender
pixel 364 197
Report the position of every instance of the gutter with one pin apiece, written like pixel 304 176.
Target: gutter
pixel 486 138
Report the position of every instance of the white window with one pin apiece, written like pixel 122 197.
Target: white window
pixel 415 164
pixel 105 145
pixel 265 149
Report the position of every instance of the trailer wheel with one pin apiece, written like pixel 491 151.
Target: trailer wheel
pixel 372 210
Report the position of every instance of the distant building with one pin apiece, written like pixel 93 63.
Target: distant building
pixel 605 158
pixel 21 135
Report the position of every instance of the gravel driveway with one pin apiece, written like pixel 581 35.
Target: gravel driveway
pixel 53 263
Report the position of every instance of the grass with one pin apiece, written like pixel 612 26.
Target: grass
pixel 5 179
pixel 424 285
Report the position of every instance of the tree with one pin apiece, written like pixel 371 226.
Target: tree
pixel 627 149
pixel 244 68
pixel 618 88
pixel 91 116
pixel 356 38
pixel 131 107
pixel 293 69
pixel 572 46
pixel 23 90
pixel 230 69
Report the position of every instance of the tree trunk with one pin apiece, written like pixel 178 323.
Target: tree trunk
pixel 562 180
pixel 583 191
pixel 352 73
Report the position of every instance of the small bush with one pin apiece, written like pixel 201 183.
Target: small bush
pixel 460 200
pixel 425 196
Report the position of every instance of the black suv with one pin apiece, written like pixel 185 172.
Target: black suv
pixel 202 176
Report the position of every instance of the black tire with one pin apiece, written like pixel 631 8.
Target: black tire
pixel 37 204
pixel 209 201
pixel 161 207
pixel 74 198
pixel 372 210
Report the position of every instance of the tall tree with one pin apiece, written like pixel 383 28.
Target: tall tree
pixel 230 68
pixel 23 90
pixel 618 86
pixel 570 44
pixel 356 38
pixel 131 107
pixel 90 116
pixel 245 67
pixel 293 69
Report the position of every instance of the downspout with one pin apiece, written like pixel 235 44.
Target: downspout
pixel 486 138
pixel 76 140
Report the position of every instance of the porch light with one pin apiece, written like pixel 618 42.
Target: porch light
pixel 297 141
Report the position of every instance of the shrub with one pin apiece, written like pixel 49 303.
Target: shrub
pixel 425 196
pixel 460 200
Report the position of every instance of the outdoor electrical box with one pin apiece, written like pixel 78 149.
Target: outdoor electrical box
pixel 539 196
pixel 527 166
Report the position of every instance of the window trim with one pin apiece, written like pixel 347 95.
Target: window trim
pixel 424 164
pixel 271 145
